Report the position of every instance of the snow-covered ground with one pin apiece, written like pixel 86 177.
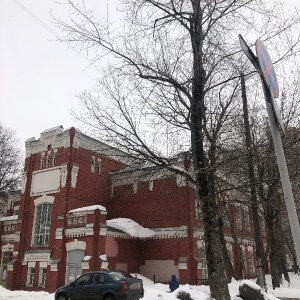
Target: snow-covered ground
pixel 161 291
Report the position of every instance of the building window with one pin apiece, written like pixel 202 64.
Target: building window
pixel 225 216
pixel 42 224
pixel 202 261
pixel 42 276
pixel 30 276
pixel 151 185
pixel 6 258
pixel 42 163
pixel 54 158
pixel 93 164
pixel 230 252
pixel 48 160
pixel 238 215
pixel 251 261
pixel 247 219
pixel 16 210
pixel 98 166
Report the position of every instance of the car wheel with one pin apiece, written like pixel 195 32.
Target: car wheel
pixel 61 297
pixel 109 297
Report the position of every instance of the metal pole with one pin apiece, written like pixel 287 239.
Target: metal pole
pixel 285 181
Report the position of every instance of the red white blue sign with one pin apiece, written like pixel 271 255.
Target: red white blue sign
pixel 267 68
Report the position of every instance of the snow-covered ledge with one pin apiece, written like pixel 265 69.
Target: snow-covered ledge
pixel 90 208
pixel 130 227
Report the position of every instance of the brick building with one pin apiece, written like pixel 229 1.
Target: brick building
pixel 83 207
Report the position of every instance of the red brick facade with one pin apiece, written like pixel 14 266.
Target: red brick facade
pixel 46 244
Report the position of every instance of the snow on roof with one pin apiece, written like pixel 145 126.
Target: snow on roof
pixel 52 129
pixel 130 227
pixel 10 218
pixel 88 208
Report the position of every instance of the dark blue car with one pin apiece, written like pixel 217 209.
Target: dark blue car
pixel 102 285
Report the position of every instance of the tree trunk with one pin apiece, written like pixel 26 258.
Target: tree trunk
pixel 227 262
pixel 203 171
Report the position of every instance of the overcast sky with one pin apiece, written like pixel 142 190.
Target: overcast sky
pixel 40 77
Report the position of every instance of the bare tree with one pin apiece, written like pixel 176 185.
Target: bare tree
pixel 10 163
pixel 173 85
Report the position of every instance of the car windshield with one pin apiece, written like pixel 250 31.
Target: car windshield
pixel 119 275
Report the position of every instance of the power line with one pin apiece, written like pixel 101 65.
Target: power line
pixel 32 15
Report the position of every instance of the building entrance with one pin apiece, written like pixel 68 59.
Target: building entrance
pixel 74 264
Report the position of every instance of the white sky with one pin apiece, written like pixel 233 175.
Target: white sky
pixel 40 77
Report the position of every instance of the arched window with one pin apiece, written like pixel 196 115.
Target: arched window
pixel 42 224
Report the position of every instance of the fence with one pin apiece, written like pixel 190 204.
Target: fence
pixel 194 281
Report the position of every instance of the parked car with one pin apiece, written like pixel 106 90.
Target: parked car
pixel 102 285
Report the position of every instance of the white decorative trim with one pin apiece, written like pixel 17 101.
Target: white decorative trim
pixel 79 231
pixel 39 178
pixel 93 164
pixel 7 247
pixel 74 175
pixel 117 234
pixel 24 181
pixel 76 245
pixel 44 199
pixel 182 263
pixel 103 229
pixel 59 233
pixel 198 233
pixel 63 175
pixel 180 180
pixel 86 142
pixel 135 187
pixel 56 137
pixel 160 233
pixel 33 256
pixel 44 264
pixel 104 261
pixel 85 263
pixel 104 265
pixel 125 178
pixel 99 166
pixel 13 237
pixel 53 264
pixel 172 232
pixel 151 185
pixel 10 266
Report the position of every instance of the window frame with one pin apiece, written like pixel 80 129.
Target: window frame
pixel 30 275
pixel 42 276
pixel 42 224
